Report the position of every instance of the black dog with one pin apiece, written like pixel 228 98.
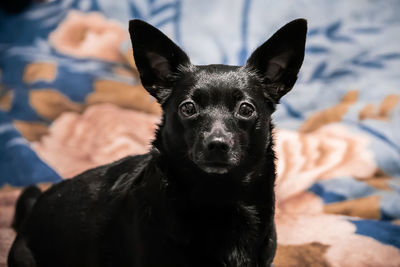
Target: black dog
pixel 204 194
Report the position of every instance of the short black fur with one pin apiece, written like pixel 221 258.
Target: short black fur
pixel 203 195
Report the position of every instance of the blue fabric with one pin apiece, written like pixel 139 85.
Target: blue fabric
pixel 385 232
pixel 19 165
pixel 349 46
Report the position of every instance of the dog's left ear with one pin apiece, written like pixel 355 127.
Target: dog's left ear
pixel 279 59
pixel 157 58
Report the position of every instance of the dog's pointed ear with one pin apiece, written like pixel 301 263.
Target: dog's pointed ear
pixel 279 59
pixel 157 58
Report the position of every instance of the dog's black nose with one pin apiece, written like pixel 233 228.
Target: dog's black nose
pixel 217 144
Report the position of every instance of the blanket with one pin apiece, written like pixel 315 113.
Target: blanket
pixel 71 99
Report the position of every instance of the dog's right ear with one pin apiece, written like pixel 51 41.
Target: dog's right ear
pixel 279 59
pixel 157 58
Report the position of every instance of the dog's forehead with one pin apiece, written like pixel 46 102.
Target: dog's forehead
pixel 222 77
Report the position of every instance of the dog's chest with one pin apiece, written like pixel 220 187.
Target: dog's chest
pixel 225 237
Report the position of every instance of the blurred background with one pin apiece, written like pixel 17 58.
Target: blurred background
pixel 71 99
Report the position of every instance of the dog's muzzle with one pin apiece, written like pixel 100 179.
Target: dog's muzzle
pixel 216 153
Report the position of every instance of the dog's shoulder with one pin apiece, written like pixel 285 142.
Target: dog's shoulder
pixel 128 173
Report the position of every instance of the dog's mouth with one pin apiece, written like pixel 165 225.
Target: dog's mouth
pixel 214 167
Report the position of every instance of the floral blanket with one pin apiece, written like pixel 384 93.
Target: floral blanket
pixel 70 99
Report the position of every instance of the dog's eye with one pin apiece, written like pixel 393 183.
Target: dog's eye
pixel 188 109
pixel 246 110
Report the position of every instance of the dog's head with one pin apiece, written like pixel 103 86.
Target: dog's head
pixel 217 116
